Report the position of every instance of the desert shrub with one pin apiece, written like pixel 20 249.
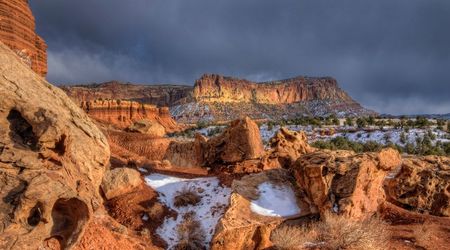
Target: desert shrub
pixel 333 232
pixel 187 196
pixel 215 131
pixel 190 234
pixel 339 232
pixel 290 237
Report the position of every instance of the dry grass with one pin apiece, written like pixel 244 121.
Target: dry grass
pixel 187 196
pixel 290 238
pixel 190 234
pixel 333 232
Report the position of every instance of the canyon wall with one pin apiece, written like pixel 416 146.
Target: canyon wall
pixel 17 31
pixel 124 113
pixel 220 98
pixel 217 88
pixel 160 95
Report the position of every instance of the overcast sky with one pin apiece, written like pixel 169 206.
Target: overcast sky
pixel 390 55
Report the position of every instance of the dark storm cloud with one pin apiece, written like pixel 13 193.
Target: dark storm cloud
pixel 390 55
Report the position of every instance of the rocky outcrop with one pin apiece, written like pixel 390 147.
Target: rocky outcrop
pixel 120 181
pixel 159 95
pixel 240 141
pixel 122 114
pixel 220 98
pixel 217 97
pixel 151 128
pixel 285 148
pixel 52 160
pixel 17 31
pixel 422 185
pixel 344 182
pixel 242 228
pixel 217 88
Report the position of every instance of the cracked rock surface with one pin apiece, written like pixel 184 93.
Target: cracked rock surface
pixel 52 160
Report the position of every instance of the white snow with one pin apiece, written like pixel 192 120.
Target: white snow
pixel 275 200
pixel 142 170
pixel 214 200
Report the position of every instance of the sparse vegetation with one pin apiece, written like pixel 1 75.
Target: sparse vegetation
pixel 423 146
pixel 187 196
pixel 333 232
pixel 190 234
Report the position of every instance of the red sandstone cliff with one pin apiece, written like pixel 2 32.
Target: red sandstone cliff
pixel 17 31
pixel 124 113
pixel 160 95
pixel 217 88
pixel 220 98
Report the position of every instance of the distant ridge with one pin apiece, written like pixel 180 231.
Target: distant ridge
pixel 222 98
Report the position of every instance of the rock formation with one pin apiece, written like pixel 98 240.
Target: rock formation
pixel 151 128
pixel 240 227
pixel 216 97
pixel 422 185
pixel 120 181
pixel 17 31
pixel 240 141
pixel 52 160
pixel 344 182
pixel 122 114
pixel 285 148
pixel 217 88
pixel 159 95
pixel 219 98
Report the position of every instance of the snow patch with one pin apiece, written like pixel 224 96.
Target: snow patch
pixel 214 201
pixel 275 201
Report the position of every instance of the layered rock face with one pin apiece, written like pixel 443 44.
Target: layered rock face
pixel 159 95
pixel 122 114
pixel 220 98
pixel 217 88
pixel 52 160
pixel 422 185
pixel 344 182
pixel 17 31
pixel 216 97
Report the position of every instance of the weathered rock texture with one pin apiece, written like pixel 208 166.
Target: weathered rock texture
pixel 285 148
pixel 17 31
pixel 122 114
pixel 151 128
pixel 240 228
pixel 52 160
pixel 240 141
pixel 120 181
pixel 159 95
pixel 216 97
pixel 422 185
pixel 344 182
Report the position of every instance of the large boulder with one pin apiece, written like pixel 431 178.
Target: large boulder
pixel 120 181
pixel 151 128
pixel 344 182
pixel 52 160
pixel 422 185
pixel 285 148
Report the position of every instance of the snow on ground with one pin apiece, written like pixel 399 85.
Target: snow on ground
pixel 275 200
pixel 214 200
pixel 380 136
